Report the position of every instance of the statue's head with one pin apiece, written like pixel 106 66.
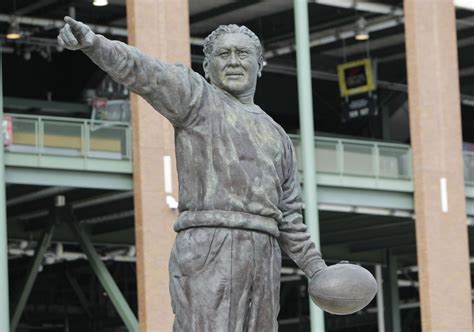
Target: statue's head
pixel 233 59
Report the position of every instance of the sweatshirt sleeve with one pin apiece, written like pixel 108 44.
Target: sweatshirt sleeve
pixel 294 238
pixel 175 91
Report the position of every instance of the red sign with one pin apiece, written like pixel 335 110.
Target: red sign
pixel 7 129
pixel 99 103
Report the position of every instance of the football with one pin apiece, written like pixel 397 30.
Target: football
pixel 342 289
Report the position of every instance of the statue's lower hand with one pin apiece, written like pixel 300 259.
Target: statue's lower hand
pixel 343 288
pixel 75 35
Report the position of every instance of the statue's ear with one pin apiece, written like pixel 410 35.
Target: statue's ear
pixel 260 68
pixel 205 66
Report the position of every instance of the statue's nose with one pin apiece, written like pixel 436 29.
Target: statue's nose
pixel 233 59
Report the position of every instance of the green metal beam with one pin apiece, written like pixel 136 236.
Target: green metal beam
pixel 4 298
pixel 106 279
pixel 64 162
pixel 391 295
pixel 373 223
pixel 68 178
pixel 51 106
pixel 365 181
pixel 305 99
pixel 370 197
pixel 359 222
pixel 31 276
pixel 63 233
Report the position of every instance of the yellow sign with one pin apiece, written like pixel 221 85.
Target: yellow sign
pixel 355 77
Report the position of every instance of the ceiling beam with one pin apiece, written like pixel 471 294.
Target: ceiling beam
pixel 53 191
pixel 86 203
pixel 381 8
pixel 334 34
pixel 367 234
pixel 367 6
pixel 221 10
pixel 376 226
pixel 34 6
pixel 102 29
pixel 52 106
pixel 384 243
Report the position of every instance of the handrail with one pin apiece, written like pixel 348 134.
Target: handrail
pixel 337 156
pixel 404 158
pixel 469 167
pixel 351 140
pixel 348 157
pixel 46 135
pixel 67 119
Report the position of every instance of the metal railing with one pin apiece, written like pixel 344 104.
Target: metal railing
pixel 61 136
pixel 346 157
pixel 469 167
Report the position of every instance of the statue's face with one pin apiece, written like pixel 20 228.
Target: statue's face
pixel 233 65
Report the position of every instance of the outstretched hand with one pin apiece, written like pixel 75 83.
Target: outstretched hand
pixel 75 35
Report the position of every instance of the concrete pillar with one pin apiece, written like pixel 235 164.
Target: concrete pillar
pixel 473 314
pixel 435 126
pixel 159 28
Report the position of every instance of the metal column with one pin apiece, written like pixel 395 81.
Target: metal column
pixel 391 297
pixel 4 305
pixel 31 275
pixel 106 279
pixel 380 306
pixel 307 137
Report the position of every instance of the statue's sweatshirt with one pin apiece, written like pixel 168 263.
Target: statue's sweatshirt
pixel 236 166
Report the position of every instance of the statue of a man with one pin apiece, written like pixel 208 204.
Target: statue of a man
pixel 239 194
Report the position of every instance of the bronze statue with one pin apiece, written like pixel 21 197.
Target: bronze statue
pixel 239 194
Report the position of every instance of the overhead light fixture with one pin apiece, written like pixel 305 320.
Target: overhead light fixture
pixel 464 4
pixel 14 30
pixel 361 32
pixel 100 3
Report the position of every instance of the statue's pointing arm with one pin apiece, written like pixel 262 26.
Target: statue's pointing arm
pixel 294 237
pixel 173 90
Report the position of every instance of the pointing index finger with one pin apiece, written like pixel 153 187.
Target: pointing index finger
pixel 69 20
pixel 75 25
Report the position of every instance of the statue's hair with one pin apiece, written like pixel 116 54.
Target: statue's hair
pixel 232 28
